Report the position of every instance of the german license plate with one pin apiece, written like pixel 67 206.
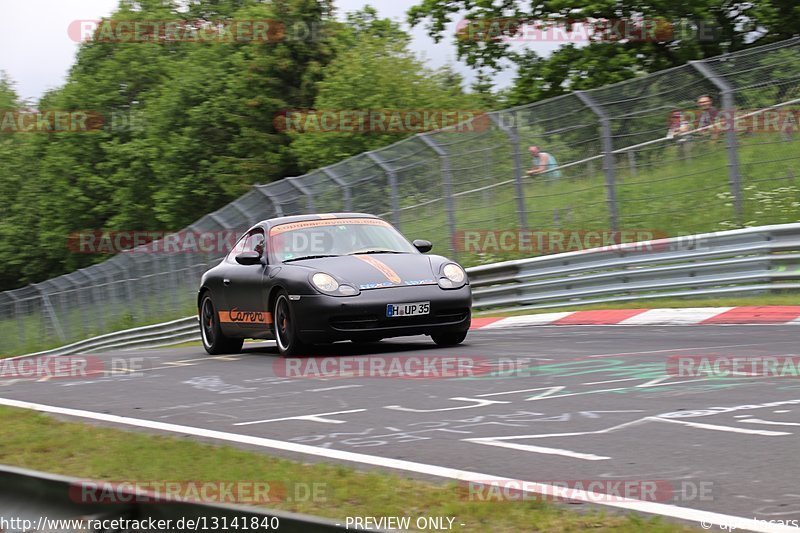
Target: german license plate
pixel 417 309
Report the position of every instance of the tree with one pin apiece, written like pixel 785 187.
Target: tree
pixel 482 88
pixel 76 185
pixel 188 127
pixel 191 125
pixel 374 70
pixel 15 163
pixel 725 26
pixel 215 132
pixel 568 69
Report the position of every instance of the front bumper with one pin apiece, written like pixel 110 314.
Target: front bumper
pixel 322 318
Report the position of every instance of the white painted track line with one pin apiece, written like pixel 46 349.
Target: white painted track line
pixel 527 320
pixel 692 515
pixel 687 316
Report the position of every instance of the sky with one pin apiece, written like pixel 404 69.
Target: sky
pixel 41 60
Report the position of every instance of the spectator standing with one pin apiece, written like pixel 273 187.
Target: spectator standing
pixel 544 164
pixel 679 127
pixel 708 116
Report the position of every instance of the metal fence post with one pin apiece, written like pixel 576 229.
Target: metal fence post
pixel 175 283
pixel 391 175
pixel 632 162
pixel 143 279
pixel 18 317
pixel 346 195
pixel 275 203
pixel 728 106
pixel 447 188
pixel 608 157
pixel 129 296
pixel 49 311
pixel 247 215
pixel 82 304
pixel 306 192
pixel 513 136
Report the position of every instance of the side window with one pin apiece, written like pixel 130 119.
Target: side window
pixel 252 242
pixel 236 250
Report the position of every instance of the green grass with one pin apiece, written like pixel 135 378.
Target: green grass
pixel 37 441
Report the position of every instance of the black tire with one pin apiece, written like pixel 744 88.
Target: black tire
pixel 214 341
pixel 289 343
pixel 449 338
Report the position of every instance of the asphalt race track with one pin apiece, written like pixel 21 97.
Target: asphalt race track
pixel 583 403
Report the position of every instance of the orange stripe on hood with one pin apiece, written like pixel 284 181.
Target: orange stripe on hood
pixel 384 269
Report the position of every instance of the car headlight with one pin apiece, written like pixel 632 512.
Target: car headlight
pixel 454 277
pixel 347 290
pixel 454 273
pixel 325 282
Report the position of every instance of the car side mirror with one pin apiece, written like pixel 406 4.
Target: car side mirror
pixel 249 258
pixel 423 246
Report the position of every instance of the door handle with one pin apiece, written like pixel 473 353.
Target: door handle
pixel 226 282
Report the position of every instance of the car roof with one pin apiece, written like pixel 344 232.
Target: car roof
pixel 305 218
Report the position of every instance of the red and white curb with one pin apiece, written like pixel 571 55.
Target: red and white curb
pixel 690 316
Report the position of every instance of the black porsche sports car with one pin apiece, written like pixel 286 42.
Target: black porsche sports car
pixel 315 279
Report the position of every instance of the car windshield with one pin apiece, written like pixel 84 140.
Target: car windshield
pixel 335 237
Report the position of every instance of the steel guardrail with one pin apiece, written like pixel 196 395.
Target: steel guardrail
pixel 744 261
pixel 166 334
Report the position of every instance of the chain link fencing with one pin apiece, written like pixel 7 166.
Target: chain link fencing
pixel 618 169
